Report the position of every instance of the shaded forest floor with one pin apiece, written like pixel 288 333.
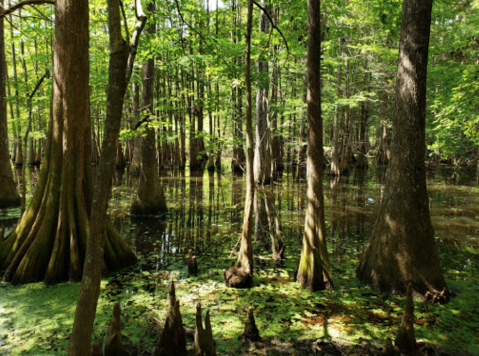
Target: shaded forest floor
pixel 36 319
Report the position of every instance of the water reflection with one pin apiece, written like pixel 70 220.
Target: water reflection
pixel 206 212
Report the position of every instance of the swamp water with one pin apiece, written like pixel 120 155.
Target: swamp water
pixel 205 215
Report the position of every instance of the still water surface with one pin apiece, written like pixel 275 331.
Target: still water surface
pixel 206 214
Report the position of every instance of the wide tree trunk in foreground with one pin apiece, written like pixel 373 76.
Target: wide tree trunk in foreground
pixel 8 193
pixel 241 274
pixel 49 241
pixel 314 272
pixel 150 198
pixel 402 248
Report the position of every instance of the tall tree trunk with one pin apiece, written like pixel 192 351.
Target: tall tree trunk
pixel 362 156
pixel 49 241
pixel 241 275
pixel 150 198
pixel 122 57
pixel 8 193
pixel 402 249
pixel 276 157
pixel 335 155
pixel 314 272
pixel 136 159
pixel 262 153
pixel 18 145
pixel 239 158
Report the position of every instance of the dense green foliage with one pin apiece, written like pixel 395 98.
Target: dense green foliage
pixel 205 45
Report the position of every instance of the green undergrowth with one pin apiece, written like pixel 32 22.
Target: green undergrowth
pixel 36 319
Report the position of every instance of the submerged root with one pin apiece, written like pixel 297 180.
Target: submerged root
pixel 238 277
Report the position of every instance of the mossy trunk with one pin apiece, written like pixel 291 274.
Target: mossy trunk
pixel 48 244
pixel 8 193
pixel 402 248
pixel 314 271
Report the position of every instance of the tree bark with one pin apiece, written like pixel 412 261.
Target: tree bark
pixel 136 158
pixel 121 63
pixel 402 248
pixel 262 153
pixel 314 271
pixel 241 275
pixel 150 198
pixel 8 194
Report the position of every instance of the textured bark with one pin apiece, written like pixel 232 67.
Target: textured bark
pixel 204 343
pixel 119 158
pixel 136 158
pixel 274 227
pixel 150 198
pixel 335 155
pixel 114 342
pixel 406 340
pixel 119 72
pixel 8 193
pixel 262 153
pixel 19 153
pixel 173 339
pixel 50 239
pixel 363 144
pixel 276 151
pixel 239 158
pixel 314 271
pixel 198 155
pixel 251 332
pixel 402 248
pixel 384 152
pixel 241 275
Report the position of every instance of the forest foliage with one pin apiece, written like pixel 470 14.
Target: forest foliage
pixel 369 32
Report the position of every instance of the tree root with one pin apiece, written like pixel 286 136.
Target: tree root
pixel 406 339
pixel 389 349
pixel 238 277
pixel 172 340
pixel 204 343
pixel 438 297
pixel 95 350
pixel 114 343
pixel 192 264
pixel 251 332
